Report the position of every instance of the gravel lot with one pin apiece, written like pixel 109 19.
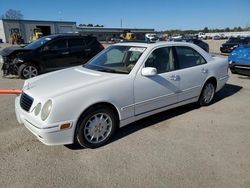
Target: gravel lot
pixel 184 147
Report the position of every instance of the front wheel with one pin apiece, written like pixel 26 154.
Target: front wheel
pixel 207 94
pixel 26 71
pixel 96 127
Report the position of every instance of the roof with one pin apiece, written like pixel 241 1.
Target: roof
pixel 68 34
pixel 166 43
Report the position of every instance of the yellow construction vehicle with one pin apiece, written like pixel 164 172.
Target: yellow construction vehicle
pixel 128 36
pixel 15 36
pixel 37 33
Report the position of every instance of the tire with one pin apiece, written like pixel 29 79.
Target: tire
pixel 27 70
pixel 96 127
pixel 207 94
pixel 233 71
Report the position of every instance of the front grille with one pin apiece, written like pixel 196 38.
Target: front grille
pixel 26 101
pixel 4 59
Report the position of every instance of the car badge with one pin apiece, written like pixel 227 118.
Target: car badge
pixel 27 86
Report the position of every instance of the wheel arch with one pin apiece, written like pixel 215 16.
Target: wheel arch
pixel 106 104
pixel 211 79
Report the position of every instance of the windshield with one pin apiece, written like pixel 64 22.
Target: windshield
pixel 235 40
pixel 38 43
pixel 116 59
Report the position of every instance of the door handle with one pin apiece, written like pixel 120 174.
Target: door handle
pixel 87 50
pixel 175 77
pixel 203 70
pixel 64 53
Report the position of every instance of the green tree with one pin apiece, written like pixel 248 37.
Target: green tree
pixel 205 30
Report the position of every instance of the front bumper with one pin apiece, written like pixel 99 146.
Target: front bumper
pixel 49 134
pixel 226 49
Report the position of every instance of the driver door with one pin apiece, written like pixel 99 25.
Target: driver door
pixel 161 90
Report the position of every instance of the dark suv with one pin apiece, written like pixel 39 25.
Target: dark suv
pixel 49 53
pixel 233 43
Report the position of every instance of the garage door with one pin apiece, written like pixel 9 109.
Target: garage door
pixel 65 29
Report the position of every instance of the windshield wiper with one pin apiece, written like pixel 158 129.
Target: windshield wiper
pixel 112 71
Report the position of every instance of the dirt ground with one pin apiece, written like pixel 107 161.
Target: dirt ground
pixel 183 147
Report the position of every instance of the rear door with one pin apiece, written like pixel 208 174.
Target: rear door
pixel 192 72
pixel 78 55
pixel 56 55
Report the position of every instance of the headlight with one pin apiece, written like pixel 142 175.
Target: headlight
pixel 38 108
pixel 46 110
pixel 235 46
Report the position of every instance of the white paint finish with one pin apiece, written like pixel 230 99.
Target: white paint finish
pixel 191 81
pixel 2 33
pixel 154 92
pixel 134 96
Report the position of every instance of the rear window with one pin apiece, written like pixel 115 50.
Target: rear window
pixel 76 42
pixel 89 40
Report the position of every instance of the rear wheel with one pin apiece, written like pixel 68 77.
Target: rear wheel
pixel 96 127
pixel 26 71
pixel 207 94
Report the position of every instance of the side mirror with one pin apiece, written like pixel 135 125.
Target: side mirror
pixel 149 71
pixel 45 48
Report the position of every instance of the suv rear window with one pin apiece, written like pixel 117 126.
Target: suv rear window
pixel 76 42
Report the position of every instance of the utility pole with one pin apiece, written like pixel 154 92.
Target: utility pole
pixel 121 23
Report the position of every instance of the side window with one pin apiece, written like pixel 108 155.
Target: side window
pixel 162 59
pixel 59 44
pixel 76 42
pixel 188 57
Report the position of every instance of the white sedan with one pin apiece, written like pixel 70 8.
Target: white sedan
pixel 122 84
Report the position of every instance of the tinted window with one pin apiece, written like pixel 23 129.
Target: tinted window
pixel 76 42
pixel 188 57
pixel 89 40
pixel 38 43
pixel 59 44
pixel 162 59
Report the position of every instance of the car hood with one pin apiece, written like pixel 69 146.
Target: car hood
pixel 7 51
pixel 240 54
pixel 60 82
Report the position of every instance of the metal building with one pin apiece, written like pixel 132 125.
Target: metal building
pixel 26 28
pixel 103 34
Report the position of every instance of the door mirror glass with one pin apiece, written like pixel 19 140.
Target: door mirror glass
pixel 45 48
pixel 149 71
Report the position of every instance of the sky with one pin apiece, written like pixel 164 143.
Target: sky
pixel 157 14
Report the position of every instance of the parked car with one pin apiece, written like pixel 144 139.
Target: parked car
pixel 239 60
pixel 49 53
pixel 198 42
pixel 122 84
pixel 233 43
pixel 151 37
pixel 216 37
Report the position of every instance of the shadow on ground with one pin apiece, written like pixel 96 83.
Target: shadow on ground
pixel 227 91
